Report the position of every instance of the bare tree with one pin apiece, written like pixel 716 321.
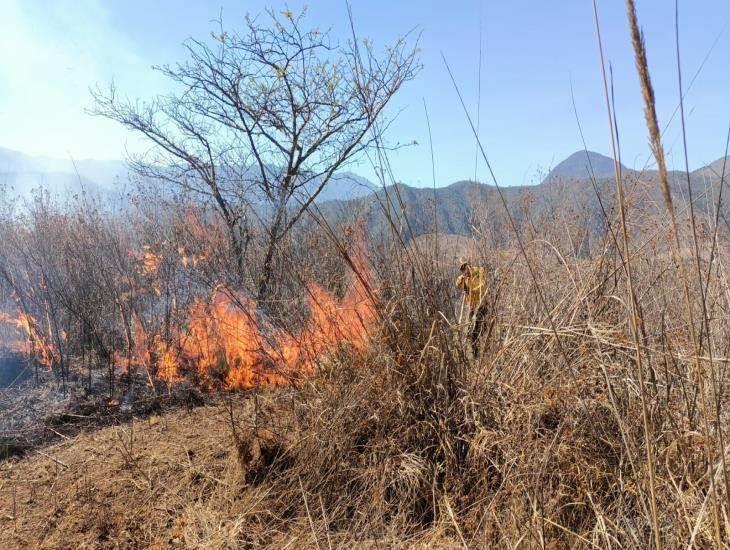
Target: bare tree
pixel 259 122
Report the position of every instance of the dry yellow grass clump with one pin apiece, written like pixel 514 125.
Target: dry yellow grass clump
pixel 173 481
pixel 538 442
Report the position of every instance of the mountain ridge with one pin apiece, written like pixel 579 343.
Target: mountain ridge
pixel 583 165
pixel 460 208
pixel 22 173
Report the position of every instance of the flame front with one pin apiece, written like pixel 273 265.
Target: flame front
pixel 221 341
pixel 27 338
pixel 227 343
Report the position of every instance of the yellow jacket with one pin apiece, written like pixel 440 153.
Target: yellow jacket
pixel 475 286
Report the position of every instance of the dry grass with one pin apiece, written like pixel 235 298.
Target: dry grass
pixel 140 484
pixel 414 442
pixel 594 416
pixel 180 483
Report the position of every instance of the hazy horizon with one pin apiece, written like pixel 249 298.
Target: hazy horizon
pixel 74 164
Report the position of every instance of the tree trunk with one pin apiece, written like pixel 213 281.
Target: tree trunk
pixel 237 249
pixel 268 267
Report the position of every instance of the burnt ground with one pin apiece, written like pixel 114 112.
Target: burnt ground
pixel 71 462
pixel 36 410
pixel 14 370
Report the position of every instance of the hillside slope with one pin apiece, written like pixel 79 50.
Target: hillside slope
pixel 469 208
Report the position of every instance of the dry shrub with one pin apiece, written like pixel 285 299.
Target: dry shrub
pixel 413 441
pixel 533 443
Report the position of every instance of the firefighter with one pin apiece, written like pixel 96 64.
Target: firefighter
pixel 473 282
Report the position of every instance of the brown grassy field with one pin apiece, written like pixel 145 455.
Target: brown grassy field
pixel 352 410
pixel 176 485
pixel 410 440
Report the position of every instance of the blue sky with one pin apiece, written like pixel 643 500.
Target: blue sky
pixel 53 50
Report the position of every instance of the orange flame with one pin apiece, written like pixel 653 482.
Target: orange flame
pixel 27 339
pixel 227 343
pixel 150 262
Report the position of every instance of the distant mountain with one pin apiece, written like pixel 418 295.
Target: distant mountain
pixel 346 186
pixel 565 198
pixel 715 169
pixel 463 208
pixel 583 165
pixel 21 173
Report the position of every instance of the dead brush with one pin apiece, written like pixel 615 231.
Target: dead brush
pixel 383 436
pixel 412 438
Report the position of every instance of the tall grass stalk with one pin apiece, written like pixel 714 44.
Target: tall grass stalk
pixel 695 241
pixel 652 124
pixel 648 437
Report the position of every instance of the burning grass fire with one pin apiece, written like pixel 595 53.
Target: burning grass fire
pixel 571 390
pixel 227 341
pixel 24 337
pixel 224 340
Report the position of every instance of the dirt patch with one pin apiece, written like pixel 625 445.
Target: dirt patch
pixel 125 485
